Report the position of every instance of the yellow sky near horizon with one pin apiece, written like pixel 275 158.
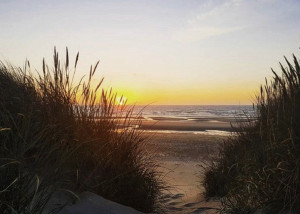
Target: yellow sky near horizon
pixel 219 95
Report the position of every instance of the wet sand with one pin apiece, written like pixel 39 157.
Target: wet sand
pixel 182 158
pixel 186 125
pixel 191 124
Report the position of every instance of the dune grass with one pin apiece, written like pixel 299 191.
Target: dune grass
pixel 260 168
pixel 58 134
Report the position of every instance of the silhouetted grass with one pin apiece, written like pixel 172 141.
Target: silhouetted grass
pixel 56 133
pixel 259 168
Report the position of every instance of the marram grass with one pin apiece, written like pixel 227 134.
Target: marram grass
pixel 259 170
pixel 57 133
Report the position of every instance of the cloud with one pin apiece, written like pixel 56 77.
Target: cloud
pixel 199 33
pixel 219 17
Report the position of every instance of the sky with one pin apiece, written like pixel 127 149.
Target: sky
pixel 159 52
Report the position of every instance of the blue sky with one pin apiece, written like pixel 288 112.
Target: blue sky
pixel 166 52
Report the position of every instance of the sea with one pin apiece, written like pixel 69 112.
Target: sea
pixel 190 112
pixel 210 113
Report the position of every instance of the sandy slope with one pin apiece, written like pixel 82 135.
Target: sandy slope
pixel 182 157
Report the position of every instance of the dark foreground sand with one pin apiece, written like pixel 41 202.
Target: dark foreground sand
pixel 182 157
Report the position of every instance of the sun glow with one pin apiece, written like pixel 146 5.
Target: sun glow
pixel 121 100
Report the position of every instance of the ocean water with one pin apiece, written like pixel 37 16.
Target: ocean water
pixel 195 111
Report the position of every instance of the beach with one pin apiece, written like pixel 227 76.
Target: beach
pixel 183 148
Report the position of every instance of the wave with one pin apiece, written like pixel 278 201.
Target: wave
pixel 201 111
pixel 206 132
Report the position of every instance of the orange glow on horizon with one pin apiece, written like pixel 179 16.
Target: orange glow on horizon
pixel 219 96
pixel 131 93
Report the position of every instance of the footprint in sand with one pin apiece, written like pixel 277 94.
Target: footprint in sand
pixel 174 203
pixel 165 200
pixel 190 204
pixel 180 195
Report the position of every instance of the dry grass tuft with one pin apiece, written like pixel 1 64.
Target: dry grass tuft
pixel 260 168
pixel 56 133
